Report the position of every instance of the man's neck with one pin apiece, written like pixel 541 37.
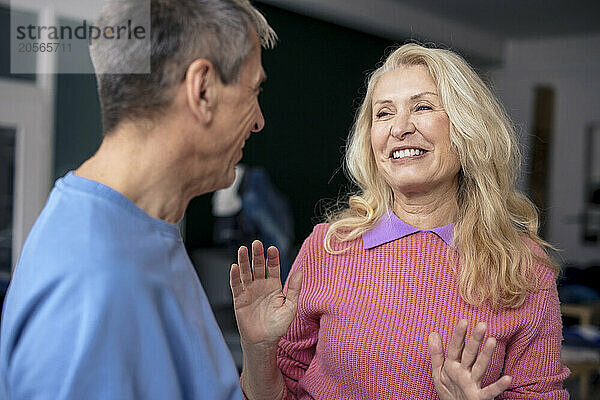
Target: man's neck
pixel 143 171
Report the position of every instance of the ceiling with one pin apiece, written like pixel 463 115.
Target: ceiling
pixel 478 28
pixel 518 18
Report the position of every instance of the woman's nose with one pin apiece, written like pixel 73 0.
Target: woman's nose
pixel 401 127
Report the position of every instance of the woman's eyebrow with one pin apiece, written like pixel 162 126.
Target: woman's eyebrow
pixel 413 97
pixel 422 94
pixel 385 101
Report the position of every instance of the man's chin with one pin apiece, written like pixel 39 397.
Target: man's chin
pixel 222 179
pixel 229 178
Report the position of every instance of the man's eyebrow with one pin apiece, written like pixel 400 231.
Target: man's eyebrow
pixel 422 94
pixel 263 78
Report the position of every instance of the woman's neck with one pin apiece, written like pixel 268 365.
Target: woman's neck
pixel 427 210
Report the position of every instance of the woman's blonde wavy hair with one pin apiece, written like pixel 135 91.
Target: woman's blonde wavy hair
pixel 494 218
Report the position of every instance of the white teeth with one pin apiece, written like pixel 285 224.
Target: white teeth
pixel 398 154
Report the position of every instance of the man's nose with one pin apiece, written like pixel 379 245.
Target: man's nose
pixel 259 124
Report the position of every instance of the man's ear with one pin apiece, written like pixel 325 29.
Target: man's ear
pixel 201 82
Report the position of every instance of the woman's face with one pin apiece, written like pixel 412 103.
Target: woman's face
pixel 410 134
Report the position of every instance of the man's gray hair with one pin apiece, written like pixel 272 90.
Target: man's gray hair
pixel 181 31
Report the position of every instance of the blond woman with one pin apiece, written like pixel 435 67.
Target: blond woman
pixel 436 246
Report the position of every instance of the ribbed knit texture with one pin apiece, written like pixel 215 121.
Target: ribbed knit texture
pixel 364 318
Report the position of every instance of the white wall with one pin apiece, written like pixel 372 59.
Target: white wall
pixel 572 67
pixel 29 107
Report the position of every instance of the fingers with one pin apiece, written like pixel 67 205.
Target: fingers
pixel 457 341
pixel 294 286
pixel 496 388
pixel 436 352
pixel 472 347
pixel 273 262
pixel 259 268
pixel 483 360
pixel 464 357
pixel 244 265
pixel 234 280
pixel 258 260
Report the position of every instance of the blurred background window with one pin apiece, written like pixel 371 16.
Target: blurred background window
pixel 7 173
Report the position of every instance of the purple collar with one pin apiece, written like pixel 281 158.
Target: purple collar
pixel 390 228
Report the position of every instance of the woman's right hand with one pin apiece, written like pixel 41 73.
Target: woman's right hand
pixel 459 375
pixel 262 311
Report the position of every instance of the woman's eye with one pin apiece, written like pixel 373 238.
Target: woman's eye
pixel 422 107
pixel 382 114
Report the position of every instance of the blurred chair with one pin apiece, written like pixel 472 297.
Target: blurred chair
pixel 581 313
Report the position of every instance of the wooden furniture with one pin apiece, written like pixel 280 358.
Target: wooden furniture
pixel 585 313
pixel 582 368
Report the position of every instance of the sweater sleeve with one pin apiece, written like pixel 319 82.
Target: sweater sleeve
pixel 533 358
pixel 297 348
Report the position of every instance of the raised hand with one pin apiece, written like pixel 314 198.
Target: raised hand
pixel 459 376
pixel 262 311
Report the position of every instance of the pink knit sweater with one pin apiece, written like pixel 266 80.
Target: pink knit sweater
pixel 364 318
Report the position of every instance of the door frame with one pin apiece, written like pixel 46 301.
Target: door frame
pixel 27 108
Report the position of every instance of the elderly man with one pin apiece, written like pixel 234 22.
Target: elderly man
pixel 104 302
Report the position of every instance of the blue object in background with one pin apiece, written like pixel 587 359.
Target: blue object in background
pixel 258 211
pixel 266 212
pixel 582 336
pixel 577 294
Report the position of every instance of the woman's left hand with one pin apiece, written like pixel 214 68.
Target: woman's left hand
pixel 459 376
